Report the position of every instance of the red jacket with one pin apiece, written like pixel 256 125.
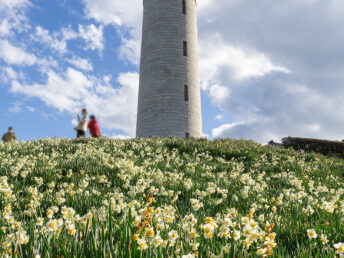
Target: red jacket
pixel 94 128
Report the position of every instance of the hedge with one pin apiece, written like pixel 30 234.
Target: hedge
pixel 325 147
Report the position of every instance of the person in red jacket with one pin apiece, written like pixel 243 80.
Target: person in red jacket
pixel 94 127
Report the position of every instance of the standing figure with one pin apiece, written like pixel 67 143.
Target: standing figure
pixel 81 128
pixel 94 127
pixel 10 136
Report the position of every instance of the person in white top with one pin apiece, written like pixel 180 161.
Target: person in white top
pixel 81 128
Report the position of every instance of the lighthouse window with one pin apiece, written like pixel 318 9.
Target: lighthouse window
pixel 184 7
pixel 185 48
pixel 186 93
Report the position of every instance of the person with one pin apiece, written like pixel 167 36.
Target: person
pixel 81 128
pixel 10 136
pixel 94 127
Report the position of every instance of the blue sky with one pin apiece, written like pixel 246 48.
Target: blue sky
pixel 268 70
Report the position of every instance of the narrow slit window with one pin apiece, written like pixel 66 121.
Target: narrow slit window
pixel 185 48
pixel 184 7
pixel 186 93
pixel 187 135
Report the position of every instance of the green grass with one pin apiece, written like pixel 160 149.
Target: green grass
pixel 167 198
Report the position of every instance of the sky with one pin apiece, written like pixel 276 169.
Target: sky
pixel 269 69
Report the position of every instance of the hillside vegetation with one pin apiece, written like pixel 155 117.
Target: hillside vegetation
pixel 168 198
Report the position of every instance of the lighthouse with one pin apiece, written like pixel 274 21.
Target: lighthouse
pixel 169 93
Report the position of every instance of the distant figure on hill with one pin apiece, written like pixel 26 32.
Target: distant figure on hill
pixel 10 136
pixel 81 128
pixel 94 127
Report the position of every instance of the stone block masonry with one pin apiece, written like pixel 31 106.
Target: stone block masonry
pixel 169 26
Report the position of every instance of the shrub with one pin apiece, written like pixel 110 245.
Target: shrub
pixel 327 148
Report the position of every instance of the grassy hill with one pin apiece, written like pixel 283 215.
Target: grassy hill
pixel 168 197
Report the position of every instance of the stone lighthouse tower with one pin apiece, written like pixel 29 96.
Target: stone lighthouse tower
pixel 169 94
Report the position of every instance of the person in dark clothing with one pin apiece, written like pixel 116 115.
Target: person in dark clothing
pixel 10 136
pixel 94 127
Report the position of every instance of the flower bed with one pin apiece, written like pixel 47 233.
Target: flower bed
pixel 167 197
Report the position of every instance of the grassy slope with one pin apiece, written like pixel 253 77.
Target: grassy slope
pixel 291 190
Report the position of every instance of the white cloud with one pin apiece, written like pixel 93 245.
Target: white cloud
pixel 90 34
pixel 203 5
pixel 16 107
pixel 5 27
pixel 126 16
pixel 10 73
pixel 120 137
pixel 81 63
pixel 45 64
pixel 74 122
pixel 67 33
pixel 207 136
pixel 131 47
pixel 107 79
pixel 239 63
pixel 223 129
pixel 93 36
pixel 274 110
pixel 219 117
pixel 252 130
pixel 117 12
pixel 218 94
pixel 61 93
pixel 12 16
pixel 114 106
pixel 15 56
pixel 43 36
pixel 30 108
pixel 12 3
pixel 282 67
